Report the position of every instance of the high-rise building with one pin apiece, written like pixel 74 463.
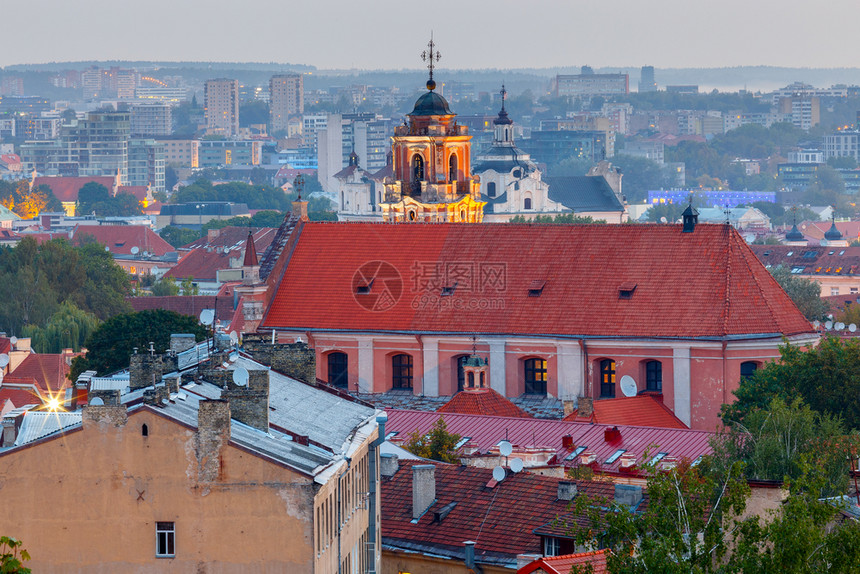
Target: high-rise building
pixel 646 80
pixel 98 145
pixel 222 106
pixel 587 85
pixel 151 119
pixel 146 163
pixel 286 99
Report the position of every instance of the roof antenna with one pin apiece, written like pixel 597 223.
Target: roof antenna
pixel 728 213
pixel 299 183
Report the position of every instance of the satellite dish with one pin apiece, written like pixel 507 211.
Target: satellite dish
pixel 664 220
pixel 816 323
pixel 135 250
pixel 828 325
pixel 207 316
pixel 839 326
pixel 505 448
pixel 234 337
pixel 107 248
pixel 852 327
pixel 4 360
pixel 240 376
pixel 13 340
pixel 516 464
pixel 97 402
pixel 499 474
pixel 628 386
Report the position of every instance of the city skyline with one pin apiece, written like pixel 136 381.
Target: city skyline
pixel 334 35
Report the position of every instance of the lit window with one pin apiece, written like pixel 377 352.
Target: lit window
pixel 607 378
pixel 165 539
pixel 401 371
pixel 535 376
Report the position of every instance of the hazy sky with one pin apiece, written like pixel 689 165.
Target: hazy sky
pixel 470 33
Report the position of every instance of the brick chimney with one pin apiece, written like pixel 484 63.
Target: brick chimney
pixel 300 209
pixel 388 464
pixel 213 434
pixel 569 406
pixel 423 488
pixel 566 490
pixel 586 407
pixel 145 369
pixel 250 404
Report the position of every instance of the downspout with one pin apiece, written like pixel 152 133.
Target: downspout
pixel 587 385
pixel 372 482
pixel 340 512
pixel 725 374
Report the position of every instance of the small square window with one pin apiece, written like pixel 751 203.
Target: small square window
pixel 449 290
pixel 165 539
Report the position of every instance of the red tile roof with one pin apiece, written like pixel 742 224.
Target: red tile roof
pixel 705 284
pixel 67 188
pixel 811 259
pixel 207 256
pixel 120 239
pixel 564 564
pixel 250 252
pixel 49 371
pixel 5 344
pixel 641 410
pixel 485 433
pixel 185 304
pixel 482 402
pixel 498 518
pixel 20 395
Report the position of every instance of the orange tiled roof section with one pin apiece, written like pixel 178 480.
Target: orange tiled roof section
pixel 563 564
pixel 500 519
pixel 482 402
pixel 67 188
pixel 48 370
pixel 704 284
pixel 120 239
pixel 641 411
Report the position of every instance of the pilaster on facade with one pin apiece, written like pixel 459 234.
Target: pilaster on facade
pixel 681 368
pixel 570 371
pixel 365 365
pixel 431 367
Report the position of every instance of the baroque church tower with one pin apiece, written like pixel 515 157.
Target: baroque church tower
pixel 432 179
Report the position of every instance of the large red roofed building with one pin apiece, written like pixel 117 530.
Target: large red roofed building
pixel 562 311
pixel 66 189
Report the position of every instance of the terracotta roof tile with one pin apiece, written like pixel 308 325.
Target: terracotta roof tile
pixel 705 284
pixel 67 188
pixel 20 395
pixel 121 239
pixel 207 256
pixel 185 304
pixel 482 402
pixel 642 410
pixel 49 371
pixel 499 518
pixel 564 564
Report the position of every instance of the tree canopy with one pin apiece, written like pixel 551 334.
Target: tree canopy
pixel 111 345
pixel 805 293
pixel 95 198
pixel 35 280
pixel 437 444
pixel 27 203
pixel 826 377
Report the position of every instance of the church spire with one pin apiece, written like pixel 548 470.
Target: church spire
pixel 432 59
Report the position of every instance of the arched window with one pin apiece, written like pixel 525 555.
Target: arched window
pixel 748 368
pixel 472 380
pixel 461 374
pixel 144 430
pixel 535 375
pixel 401 371
pixel 491 189
pixel 417 168
pixel 338 371
pixel 654 376
pixel 452 167
pixel 483 381
pixel 607 378
pixel 527 203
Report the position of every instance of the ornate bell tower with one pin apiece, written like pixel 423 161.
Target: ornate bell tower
pixel 432 179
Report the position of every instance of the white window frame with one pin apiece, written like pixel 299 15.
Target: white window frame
pixel 169 534
pixel 551 546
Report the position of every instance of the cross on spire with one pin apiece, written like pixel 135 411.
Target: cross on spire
pixel 432 58
pixel 298 184
pixel 504 93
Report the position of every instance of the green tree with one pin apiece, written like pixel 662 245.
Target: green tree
pixel 680 530
pixel 775 442
pixel 826 377
pixel 179 236
pixel 95 198
pixel 842 162
pixel 166 287
pixel 641 175
pixel 68 328
pixel 805 293
pixel 187 287
pixel 12 556
pixel 110 346
pixel 670 211
pixel 437 444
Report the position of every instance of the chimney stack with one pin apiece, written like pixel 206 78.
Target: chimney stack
pixel 213 434
pixel 569 406
pixel 145 369
pixel 627 494
pixel 566 490
pixel 250 404
pixel 388 464
pixel 469 548
pixel 586 407
pixel 423 488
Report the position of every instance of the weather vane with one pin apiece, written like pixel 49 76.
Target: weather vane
pixel 432 58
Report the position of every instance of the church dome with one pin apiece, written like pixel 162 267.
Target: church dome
pixel 503 119
pixel 794 234
pixel 833 234
pixel 431 104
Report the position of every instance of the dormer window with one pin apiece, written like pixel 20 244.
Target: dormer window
pixel 447 291
pixel 536 287
pixel 626 290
